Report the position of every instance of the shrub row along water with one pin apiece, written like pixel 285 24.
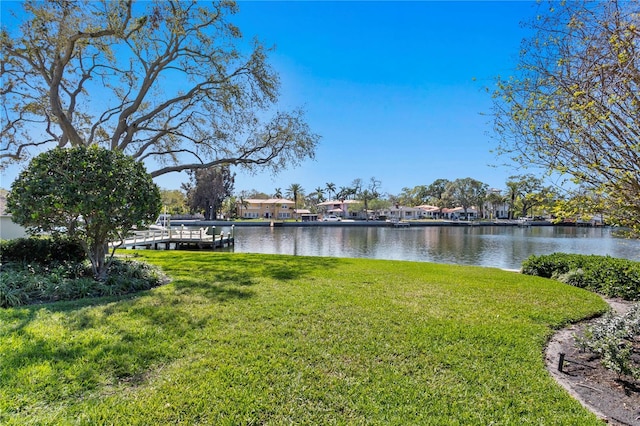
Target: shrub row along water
pixel 604 275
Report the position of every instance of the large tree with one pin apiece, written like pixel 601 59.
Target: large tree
pixel 368 194
pixel 465 193
pixel 208 188
pixel 436 192
pixel 174 201
pixel 171 83
pixel 524 192
pixel 93 194
pixel 573 105
pixel 414 196
pixel 579 205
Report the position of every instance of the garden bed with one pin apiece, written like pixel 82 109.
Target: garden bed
pixel 614 399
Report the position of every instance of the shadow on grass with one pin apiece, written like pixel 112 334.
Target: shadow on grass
pixel 227 276
pixel 96 341
pixel 125 335
pixel 15 320
pixel 287 268
pixel 222 278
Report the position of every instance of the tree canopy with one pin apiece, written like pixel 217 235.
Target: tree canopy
pixel 170 83
pixel 174 201
pixel 465 193
pixel 208 188
pixel 574 105
pixel 525 192
pixel 92 194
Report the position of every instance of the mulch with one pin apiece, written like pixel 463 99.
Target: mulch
pixel 614 399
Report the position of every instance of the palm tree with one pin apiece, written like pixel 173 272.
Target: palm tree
pixel 331 188
pixel 319 192
pixel 295 190
pixel 278 193
pixel 343 193
pixel 494 199
pixel 346 193
pixel 242 203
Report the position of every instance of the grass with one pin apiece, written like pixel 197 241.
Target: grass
pixel 263 339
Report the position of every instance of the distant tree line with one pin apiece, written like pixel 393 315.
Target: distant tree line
pixel 210 193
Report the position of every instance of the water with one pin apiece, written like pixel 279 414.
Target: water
pixel 499 246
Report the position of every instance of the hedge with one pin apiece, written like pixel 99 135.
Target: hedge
pixel 605 275
pixel 41 250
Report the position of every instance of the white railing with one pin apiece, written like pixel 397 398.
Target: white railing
pixel 181 234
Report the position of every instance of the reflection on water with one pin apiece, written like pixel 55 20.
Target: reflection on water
pixel 498 246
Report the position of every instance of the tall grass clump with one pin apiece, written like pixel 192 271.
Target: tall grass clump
pixel 604 275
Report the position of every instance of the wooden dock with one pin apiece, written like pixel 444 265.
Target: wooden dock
pixel 178 238
pixel 398 223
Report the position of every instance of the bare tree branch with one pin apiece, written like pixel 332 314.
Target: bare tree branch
pixel 168 81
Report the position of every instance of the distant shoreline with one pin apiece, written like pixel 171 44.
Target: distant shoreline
pixel 362 223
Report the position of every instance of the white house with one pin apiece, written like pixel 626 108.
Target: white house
pixel 498 209
pixel 458 213
pixel 430 212
pixel 10 230
pixel 341 208
pixel 404 213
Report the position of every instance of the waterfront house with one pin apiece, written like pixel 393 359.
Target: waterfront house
pixel 272 208
pixel 458 213
pixel 496 206
pixel 341 208
pixel 430 212
pixel 403 213
pixel 304 215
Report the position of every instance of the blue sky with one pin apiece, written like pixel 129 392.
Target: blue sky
pixel 395 89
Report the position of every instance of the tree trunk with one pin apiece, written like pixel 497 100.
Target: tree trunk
pixel 97 256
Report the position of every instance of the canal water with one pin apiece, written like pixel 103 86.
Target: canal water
pixel 494 246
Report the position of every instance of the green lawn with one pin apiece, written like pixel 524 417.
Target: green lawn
pixel 261 339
